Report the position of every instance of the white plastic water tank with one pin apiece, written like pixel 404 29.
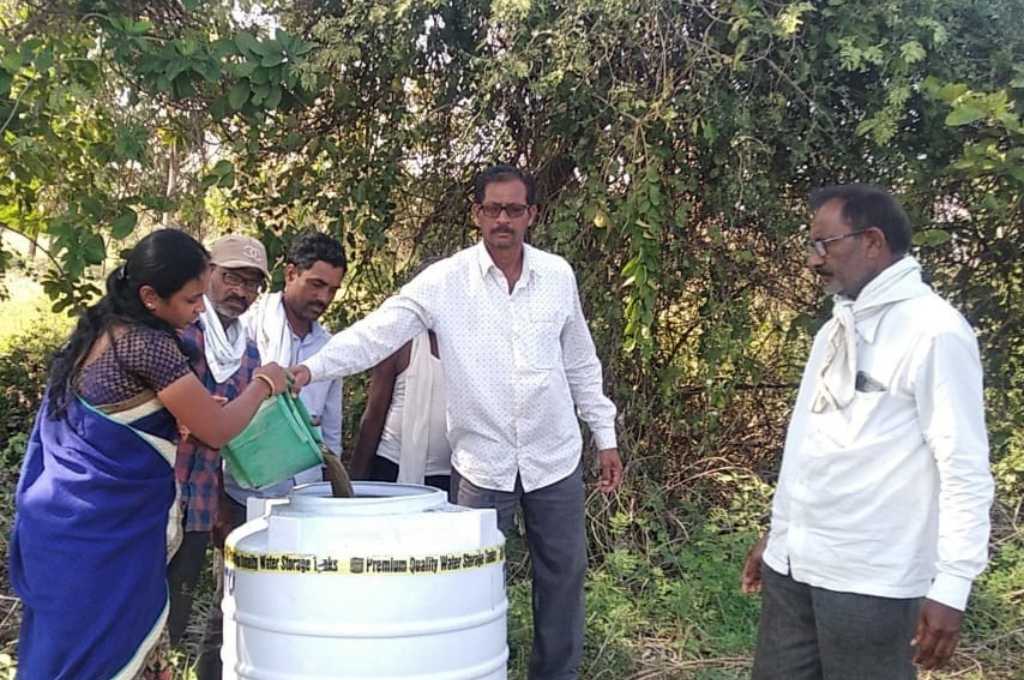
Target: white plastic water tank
pixel 395 583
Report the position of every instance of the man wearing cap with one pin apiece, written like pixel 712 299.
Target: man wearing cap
pixel 278 325
pixel 224 360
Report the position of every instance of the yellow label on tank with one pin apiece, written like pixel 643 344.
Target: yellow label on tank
pixel 363 565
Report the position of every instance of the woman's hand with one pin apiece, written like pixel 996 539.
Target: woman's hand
pixel 277 376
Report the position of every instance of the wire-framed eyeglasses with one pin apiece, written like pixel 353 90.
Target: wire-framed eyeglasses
pixel 820 245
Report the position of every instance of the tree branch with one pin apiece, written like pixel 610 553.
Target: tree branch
pixel 56 263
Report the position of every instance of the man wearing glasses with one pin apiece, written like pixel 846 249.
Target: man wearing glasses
pixel 519 364
pixel 283 325
pixel 224 360
pixel 880 518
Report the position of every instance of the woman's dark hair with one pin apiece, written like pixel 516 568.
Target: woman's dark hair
pixel 311 247
pixel 165 260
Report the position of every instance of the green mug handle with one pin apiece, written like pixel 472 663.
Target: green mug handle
pixel 302 416
pixel 292 416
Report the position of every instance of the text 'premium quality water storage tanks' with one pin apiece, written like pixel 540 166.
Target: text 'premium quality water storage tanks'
pixel 395 583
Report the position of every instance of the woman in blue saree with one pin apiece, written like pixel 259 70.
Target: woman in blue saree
pixel 93 529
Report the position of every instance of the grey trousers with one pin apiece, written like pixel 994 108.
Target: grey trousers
pixel 556 537
pixel 809 633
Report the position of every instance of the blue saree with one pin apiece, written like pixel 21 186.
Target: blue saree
pixel 90 540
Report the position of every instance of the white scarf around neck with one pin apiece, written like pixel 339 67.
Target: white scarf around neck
pixel 837 377
pixel 273 334
pixel 223 356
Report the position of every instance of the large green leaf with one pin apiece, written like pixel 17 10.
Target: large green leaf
pixel 271 60
pixel 94 250
pixel 245 69
pixel 238 95
pixel 12 62
pixel 964 114
pixel 124 224
pixel 248 43
pixel 273 99
pixel 931 237
pixel 219 107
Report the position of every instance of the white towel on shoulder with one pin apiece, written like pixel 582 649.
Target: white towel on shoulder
pixel 223 355
pixel 273 334
pixel 419 387
pixel 837 377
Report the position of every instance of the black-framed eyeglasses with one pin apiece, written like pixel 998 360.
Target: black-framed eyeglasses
pixel 238 281
pixel 820 245
pixel 513 210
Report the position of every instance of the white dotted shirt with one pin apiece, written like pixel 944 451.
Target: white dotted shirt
pixel 514 365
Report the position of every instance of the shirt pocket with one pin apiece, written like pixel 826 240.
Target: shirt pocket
pixel 864 412
pixel 542 341
pixel 840 429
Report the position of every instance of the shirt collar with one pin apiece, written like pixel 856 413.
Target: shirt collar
pixel 486 263
pixel 316 332
pixel 868 328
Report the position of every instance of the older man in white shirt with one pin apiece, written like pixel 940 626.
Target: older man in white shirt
pixel 880 519
pixel 519 364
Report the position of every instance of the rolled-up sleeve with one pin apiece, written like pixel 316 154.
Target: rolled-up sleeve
pixel 950 402
pixel 372 339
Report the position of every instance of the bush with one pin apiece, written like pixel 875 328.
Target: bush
pixel 24 363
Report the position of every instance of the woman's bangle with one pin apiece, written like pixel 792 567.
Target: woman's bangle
pixel 270 383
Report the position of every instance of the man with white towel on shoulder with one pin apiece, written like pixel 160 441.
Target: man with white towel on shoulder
pixel 880 520
pixel 285 325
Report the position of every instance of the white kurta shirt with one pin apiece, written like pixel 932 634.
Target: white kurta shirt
pixel 890 495
pixel 514 364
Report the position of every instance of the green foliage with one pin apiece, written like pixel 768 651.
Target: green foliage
pixel 24 361
pixel 674 144
pixel 667 610
pixel 103 117
pixel 672 167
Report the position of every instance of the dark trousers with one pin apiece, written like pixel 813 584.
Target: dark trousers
pixel 556 537
pixel 809 633
pixel 383 470
pixel 209 665
pixel 182 578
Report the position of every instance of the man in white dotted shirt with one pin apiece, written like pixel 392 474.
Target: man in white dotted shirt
pixel 519 367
